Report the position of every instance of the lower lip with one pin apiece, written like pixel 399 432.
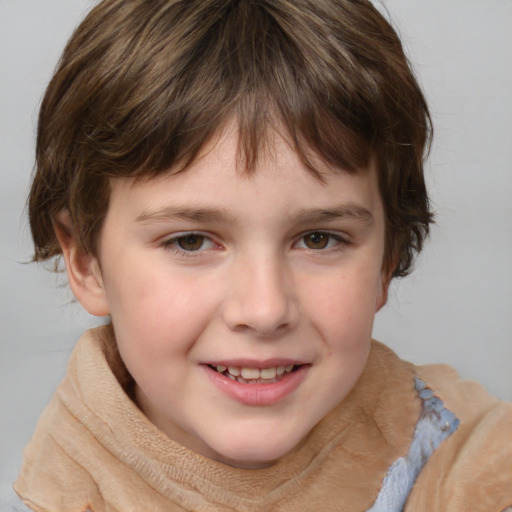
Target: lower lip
pixel 259 393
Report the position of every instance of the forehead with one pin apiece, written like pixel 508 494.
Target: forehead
pixel 280 184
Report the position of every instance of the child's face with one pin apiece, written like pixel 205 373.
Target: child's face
pixel 211 269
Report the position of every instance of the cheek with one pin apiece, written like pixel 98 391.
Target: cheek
pixel 349 295
pixel 157 312
pixel 343 307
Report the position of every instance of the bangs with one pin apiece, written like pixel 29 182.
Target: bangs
pixel 175 89
pixel 144 85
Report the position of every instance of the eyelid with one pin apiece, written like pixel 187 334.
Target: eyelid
pixel 342 240
pixel 170 243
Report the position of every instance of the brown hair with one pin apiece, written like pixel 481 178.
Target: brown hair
pixel 143 84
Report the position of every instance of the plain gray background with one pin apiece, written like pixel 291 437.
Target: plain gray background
pixel 456 307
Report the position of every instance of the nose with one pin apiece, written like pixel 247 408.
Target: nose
pixel 261 299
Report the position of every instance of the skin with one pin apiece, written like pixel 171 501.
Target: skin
pixel 265 278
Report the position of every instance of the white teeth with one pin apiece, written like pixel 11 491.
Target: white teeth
pixel 268 373
pixel 247 373
pixel 250 373
pixel 233 370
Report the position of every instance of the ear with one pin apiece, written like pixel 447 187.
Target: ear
pixel 386 277
pixel 382 296
pixel 83 270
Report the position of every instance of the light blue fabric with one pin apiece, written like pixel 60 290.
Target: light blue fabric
pixel 435 424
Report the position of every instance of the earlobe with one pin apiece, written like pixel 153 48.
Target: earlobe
pixel 83 270
pixel 387 274
pixel 382 296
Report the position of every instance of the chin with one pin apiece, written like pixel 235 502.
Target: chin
pixel 249 453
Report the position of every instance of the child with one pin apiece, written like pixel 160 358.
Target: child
pixel 235 183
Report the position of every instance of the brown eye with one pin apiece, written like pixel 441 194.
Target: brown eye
pixel 316 240
pixel 190 242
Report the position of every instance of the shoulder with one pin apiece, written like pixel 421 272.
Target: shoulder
pixel 472 469
pixel 54 458
pixel 47 468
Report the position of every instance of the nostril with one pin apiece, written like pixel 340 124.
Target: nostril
pixel 259 307
pixel 267 331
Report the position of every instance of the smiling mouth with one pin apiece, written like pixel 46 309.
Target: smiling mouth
pixel 247 375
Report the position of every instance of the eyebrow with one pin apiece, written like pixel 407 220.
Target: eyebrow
pixel 305 216
pixel 345 211
pixel 194 214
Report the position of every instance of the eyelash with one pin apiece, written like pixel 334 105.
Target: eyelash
pixel 340 242
pixel 172 243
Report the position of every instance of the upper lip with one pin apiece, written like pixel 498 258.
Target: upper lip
pixel 253 363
